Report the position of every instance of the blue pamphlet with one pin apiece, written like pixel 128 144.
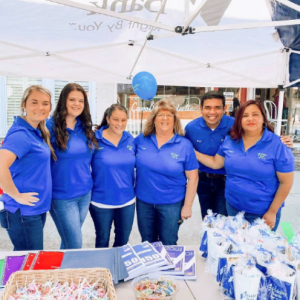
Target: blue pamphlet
pixel 160 248
pixel 177 254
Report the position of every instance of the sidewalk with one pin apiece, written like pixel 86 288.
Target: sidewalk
pixel 188 234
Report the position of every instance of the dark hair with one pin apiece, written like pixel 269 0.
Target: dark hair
pixel 236 103
pixel 60 113
pixel 236 131
pixel 109 112
pixel 213 95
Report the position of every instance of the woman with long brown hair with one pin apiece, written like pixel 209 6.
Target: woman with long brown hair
pixel 25 174
pixel 74 142
pixel 259 167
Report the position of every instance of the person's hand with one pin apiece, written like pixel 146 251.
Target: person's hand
pixel 287 140
pixel 27 199
pixel 270 219
pixel 186 212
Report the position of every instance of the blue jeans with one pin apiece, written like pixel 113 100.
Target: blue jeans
pixel 25 232
pixel 103 219
pixel 232 211
pixel 159 222
pixel 211 193
pixel 68 216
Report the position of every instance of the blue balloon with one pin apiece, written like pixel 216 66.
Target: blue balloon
pixel 144 85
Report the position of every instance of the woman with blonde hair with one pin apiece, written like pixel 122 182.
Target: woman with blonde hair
pixel 167 176
pixel 25 174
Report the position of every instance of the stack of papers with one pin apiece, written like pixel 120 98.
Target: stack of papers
pixel 160 260
pixel 160 248
pixel 110 259
pixel 177 254
pixel 11 264
pixel 46 260
pixel 189 268
pixel 143 259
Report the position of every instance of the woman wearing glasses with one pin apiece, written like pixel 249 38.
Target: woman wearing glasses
pixel 167 176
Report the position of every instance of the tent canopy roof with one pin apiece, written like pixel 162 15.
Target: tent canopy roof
pixel 40 38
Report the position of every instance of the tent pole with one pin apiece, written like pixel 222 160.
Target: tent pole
pixel 194 15
pixel 234 27
pixel 280 106
pixel 247 25
pixel 285 55
pixel 145 42
pixel 290 4
pixel 186 9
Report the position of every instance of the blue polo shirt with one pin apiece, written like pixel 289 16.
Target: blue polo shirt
pixel 113 170
pixel 31 170
pixel 160 172
pixel 206 140
pixel 251 182
pixel 71 173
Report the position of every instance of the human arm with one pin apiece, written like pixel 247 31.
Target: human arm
pixel 213 162
pixel 287 140
pixel 191 188
pixel 285 184
pixel 7 158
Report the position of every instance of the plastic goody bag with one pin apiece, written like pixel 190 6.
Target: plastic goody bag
pixel 247 279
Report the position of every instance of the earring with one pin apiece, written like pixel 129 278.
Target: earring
pixel 264 124
pixel 24 112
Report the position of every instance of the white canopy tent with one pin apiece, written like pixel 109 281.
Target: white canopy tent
pixel 231 43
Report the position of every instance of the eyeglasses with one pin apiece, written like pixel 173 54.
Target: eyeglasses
pixel 169 116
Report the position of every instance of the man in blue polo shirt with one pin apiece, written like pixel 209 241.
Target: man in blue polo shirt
pixel 206 134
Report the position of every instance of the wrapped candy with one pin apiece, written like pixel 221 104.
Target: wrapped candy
pixel 54 290
pixel 155 289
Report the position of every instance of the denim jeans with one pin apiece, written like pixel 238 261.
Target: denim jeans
pixel 159 222
pixel 68 216
pixel 232 211
pixel 25 232
pixel 103 219
pixel 211 193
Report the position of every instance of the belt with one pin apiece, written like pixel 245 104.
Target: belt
pixel 210 175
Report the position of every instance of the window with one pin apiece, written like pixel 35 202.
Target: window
pixel 15 86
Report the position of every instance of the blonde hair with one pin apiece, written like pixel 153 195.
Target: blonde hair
pixel 162 105
pixel 42 125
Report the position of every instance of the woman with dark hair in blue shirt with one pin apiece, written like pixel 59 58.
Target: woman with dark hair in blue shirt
pixel 74 142
pixel 167 176
pixel 25 174
pixel 259 167
pixel 113 198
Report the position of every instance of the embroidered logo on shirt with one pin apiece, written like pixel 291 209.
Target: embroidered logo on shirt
pixel 230 151
pixel 101 148
pixel 143 148
pixel 129 147
pixel 199 141
pixel 261 155
pixel 174 155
